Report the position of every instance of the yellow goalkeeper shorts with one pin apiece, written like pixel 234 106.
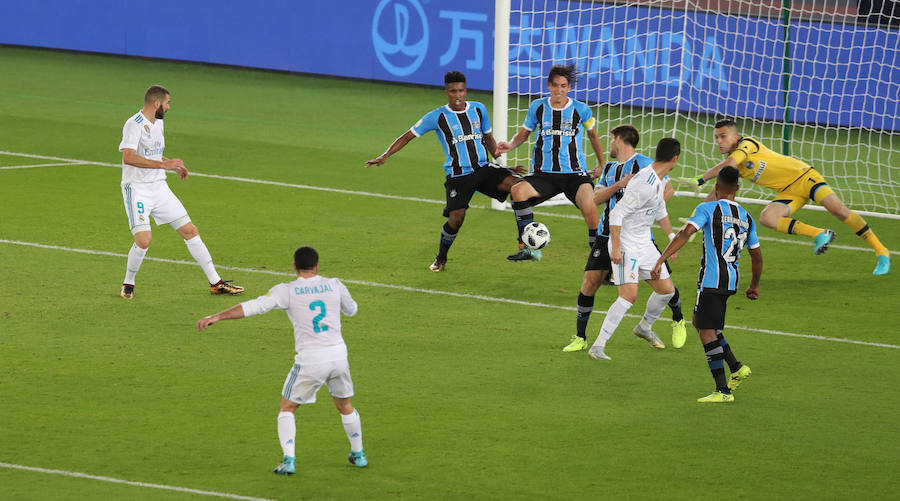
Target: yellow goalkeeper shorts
pixel 810 186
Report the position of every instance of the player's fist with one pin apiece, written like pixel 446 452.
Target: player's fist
pixel 503 147
pixel 753 293
pixel 205 322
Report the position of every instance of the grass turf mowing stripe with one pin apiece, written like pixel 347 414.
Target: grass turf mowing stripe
pixel 436 292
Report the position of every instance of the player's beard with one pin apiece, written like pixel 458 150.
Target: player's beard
pixel 160 113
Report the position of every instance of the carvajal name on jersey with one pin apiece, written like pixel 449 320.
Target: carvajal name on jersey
pixel 318 289
pixel 734 220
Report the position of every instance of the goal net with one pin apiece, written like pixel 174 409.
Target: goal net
pixel 815 79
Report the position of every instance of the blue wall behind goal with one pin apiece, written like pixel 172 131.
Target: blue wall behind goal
pixel 631 55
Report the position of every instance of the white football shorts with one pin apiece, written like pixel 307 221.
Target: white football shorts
pixel 143 200
pixel 636 265
pixel 305 380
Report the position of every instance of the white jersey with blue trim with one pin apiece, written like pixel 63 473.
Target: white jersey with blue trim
pixel 727 228
pixel 314 306
pixel 147 140
pixel 613 172
pixel 640 206
pixel 461 134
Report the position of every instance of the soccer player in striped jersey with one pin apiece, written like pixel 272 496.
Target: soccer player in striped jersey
pixel 314 306
pixel 727 228
pixel 146 193
pixel 632 252
pixel 558 163
pixel 609 190
pixel 464 131
pixel 796 183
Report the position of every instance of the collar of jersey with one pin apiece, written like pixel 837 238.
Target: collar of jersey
pixel 568 103
pixel 451 110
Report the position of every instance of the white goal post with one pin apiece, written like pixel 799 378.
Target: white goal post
pixel 815 79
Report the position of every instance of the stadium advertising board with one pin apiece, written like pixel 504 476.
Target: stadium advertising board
pixel 690 61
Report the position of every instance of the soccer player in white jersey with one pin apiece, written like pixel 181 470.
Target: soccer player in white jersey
pixel 632 252
pixel 145 192
pixel 314 305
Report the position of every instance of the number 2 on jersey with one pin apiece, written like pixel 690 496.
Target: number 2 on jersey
pixel 734 248
pixel 313 306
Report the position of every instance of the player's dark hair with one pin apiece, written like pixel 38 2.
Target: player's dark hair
pixel 306 258
pixel 567 71
pixel 453 77
pixel 728 177
pixel 667 149
pixel 726 123
pixel 628 134
pixel 154 93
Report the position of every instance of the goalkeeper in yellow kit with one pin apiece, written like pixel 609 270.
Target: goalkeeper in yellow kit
pixel 795 183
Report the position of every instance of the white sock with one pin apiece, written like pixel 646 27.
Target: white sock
pixel 135 258
pixel 656 303
pixel 287 431
pixel 353 428
pixel 201 254
pixel 613 317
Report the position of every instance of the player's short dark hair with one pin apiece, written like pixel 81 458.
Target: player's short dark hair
pixel 628 134
pixel 728 177
pixel 726 123
pixel 567 71
pixel 154 93
pixel 453 77
pixel 306 258
pixel 667 149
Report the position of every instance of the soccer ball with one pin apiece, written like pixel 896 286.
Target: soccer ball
pixel 535 235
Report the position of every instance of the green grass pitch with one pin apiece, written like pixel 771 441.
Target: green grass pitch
pixel 460 396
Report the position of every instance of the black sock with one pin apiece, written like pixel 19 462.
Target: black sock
pixel 524 215
pixel 675 305
pixel 448 235
pixel 714 356
pixel 733 364
pixel 585 307
pixel 592 238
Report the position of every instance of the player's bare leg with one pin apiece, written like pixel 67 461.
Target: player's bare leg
pixel 201 254
pixel 353 429
pixel 584 200
pixel 776 216
pixel 836 207
pixel 135 257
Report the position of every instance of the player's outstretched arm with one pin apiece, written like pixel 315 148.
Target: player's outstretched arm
pixel 674 246
pixel 518 139
pixel 235 312
pixel 756 262
pixel 712 173
pixel 396 146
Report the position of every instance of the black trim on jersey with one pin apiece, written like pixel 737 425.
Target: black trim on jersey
pixel 755 143
pixel 466 125
pixel 487 153
pixel 812 191
pixel 573 145
pixel 556 138
pixel 444 127
pixel 539 143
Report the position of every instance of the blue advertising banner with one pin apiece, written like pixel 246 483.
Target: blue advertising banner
pixel 687 61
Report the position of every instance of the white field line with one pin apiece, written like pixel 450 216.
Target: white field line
pixel 432 291
pixel 129 482
pixel 10 167
pixel 799 241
